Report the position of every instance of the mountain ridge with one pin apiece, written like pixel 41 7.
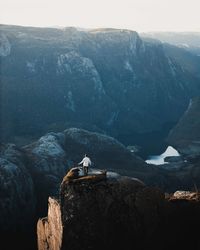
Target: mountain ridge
pixel 112 80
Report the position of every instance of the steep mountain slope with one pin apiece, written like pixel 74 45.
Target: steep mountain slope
pixel 17 189
pixel 186 134
pixel 109 80
pixel 17 200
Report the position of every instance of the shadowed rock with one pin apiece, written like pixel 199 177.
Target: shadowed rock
pixel 99 213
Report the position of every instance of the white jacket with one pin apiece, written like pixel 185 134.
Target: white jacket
pixel 86 162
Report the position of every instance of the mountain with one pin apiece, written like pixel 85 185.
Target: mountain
pixel 186 134
pixel 50 157
pixel 188 40
pixel 32 173
pixel 27 170
pixel 117 213
pixel 17 199
pixel 104 80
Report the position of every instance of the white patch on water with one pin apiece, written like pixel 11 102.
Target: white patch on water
pixel 159 159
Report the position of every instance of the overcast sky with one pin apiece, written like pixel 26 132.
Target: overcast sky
pixel 139 15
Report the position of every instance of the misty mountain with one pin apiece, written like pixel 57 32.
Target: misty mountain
pixel 190 41
pixel 186 134
pixel 105 80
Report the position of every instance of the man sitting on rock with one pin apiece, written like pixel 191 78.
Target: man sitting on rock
pixel 86 164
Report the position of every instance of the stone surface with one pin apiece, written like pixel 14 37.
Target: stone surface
pixel 185 136
pixel 119 213
pixel 17 190
pixel 106 79
pixel 50 229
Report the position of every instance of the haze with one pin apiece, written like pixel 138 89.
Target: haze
pixel 139 15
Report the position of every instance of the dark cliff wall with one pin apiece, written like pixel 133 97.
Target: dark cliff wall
pixel 186 134
pixel 105 79
pixel 118 214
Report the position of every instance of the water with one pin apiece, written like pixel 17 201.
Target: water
pixel 159 159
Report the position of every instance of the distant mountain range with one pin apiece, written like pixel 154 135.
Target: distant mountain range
pixel 106 80
pixel 187 40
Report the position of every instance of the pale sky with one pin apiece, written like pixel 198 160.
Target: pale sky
pixel 139 15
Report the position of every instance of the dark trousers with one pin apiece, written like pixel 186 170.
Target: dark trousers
pixel 85 170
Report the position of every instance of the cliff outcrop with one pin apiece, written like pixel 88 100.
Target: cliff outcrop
pixel 117 213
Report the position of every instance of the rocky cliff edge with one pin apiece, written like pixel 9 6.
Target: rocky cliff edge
pixel 115 212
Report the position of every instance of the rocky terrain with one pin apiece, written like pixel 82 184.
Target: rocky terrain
pixel 104 80
pixel 116 213
pixel 17 199
pixel 30 174
pixel 186 134
pixel 100 85
pixel 33 173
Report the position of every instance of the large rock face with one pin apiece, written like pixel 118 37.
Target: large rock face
pixel 51 228
pixel 186 134
pixel 105 151
pixel 54 154
pixel 34 172
pixel 47 162
pixel 95 213
pixel 117 213
pixel 29 175
pixel 107 79
pixel 17 190
pixel 17 200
